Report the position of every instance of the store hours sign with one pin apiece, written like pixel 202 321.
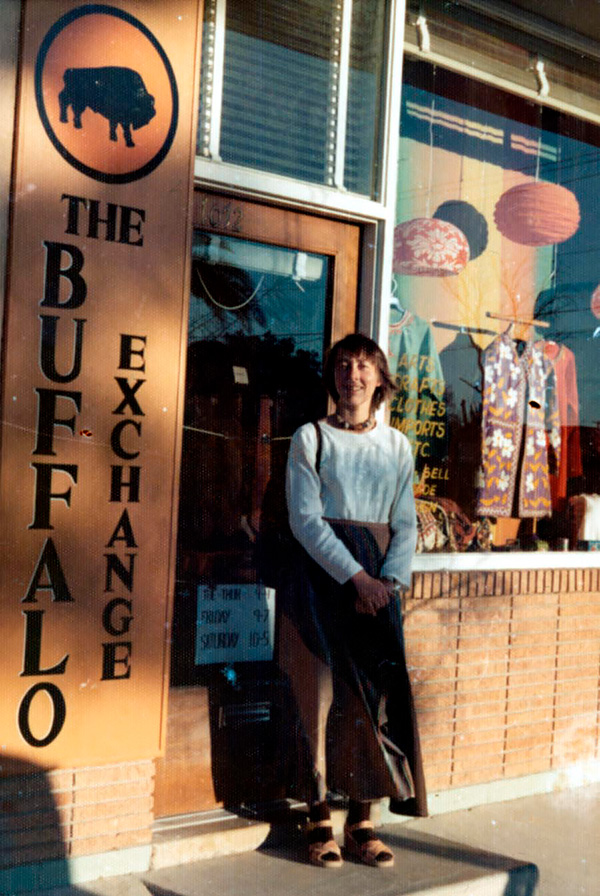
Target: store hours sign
pixel 96 301
pixel 234 624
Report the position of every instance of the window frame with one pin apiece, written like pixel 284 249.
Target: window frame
pixel 375 215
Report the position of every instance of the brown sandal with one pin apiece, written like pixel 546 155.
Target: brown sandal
pixel 370 851
pixel 323 853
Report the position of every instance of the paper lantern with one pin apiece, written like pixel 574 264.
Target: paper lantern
pixel 537 214
pixel 466 217
pixel 429 247
pixel 595 302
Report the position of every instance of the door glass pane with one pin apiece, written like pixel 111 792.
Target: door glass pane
pixel 257 331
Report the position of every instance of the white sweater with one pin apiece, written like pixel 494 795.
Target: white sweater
pixel 366 477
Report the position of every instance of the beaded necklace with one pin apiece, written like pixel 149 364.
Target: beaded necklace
pixel 354 427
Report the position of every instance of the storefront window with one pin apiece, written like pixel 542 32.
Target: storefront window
pixel 495 316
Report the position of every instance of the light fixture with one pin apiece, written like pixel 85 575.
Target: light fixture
pixel 429 247
pixel 537 213
pixel 258 257
pixel 595 302
pixel 466 217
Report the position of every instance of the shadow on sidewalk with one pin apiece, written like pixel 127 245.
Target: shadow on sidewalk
pixel 33 851
pixel 523 876
pixel 422 860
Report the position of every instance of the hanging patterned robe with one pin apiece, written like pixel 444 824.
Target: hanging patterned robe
pixel 520 431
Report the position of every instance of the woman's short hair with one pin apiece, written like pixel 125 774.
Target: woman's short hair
pixel 359 346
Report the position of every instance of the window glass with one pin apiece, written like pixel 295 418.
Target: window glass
pixel 282 83
pixel 257 331
pixel 495 317
pixel 276 86
pixel 367 59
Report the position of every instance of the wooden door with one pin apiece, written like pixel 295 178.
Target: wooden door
pixel 271 289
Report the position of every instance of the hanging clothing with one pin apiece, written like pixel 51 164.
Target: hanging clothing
pixel 463 375
pixel 563 362
pixel 417 408
pixel 462 370
pixel 520 430
pixel 356 725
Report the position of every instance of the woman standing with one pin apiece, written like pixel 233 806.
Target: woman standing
pixel 351 508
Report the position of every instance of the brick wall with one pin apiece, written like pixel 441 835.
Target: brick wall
pixel 506 672
pixel 506 676
pixel 63 814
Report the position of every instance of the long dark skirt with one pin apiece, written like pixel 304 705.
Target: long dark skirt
pixel 356 726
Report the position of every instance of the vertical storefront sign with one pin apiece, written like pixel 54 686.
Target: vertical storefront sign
pixel 95 313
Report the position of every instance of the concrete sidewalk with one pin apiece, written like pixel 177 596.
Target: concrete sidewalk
pixel 545 844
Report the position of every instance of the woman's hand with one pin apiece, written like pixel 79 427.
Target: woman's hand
pixel 371 594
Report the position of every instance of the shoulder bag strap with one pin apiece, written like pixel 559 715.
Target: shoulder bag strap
pixel 319 448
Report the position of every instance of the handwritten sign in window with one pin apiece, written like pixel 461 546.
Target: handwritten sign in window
pixel 234 623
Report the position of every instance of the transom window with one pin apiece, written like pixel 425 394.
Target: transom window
pixel 294 88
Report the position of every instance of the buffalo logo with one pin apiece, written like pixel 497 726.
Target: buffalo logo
pixel 119 94
pixel 90 104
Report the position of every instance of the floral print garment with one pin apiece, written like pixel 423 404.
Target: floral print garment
pixel 520 430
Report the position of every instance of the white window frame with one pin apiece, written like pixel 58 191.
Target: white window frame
pixel 376 216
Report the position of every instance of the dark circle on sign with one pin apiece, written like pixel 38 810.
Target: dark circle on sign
pixel 103 176
pixel 60 714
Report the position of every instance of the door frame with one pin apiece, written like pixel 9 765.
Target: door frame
pixel 284 227
pixel 183 774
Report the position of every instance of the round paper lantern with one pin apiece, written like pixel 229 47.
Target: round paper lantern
pixel 537 214
pixel 595 302
pixel 466 217
pixel 429 247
